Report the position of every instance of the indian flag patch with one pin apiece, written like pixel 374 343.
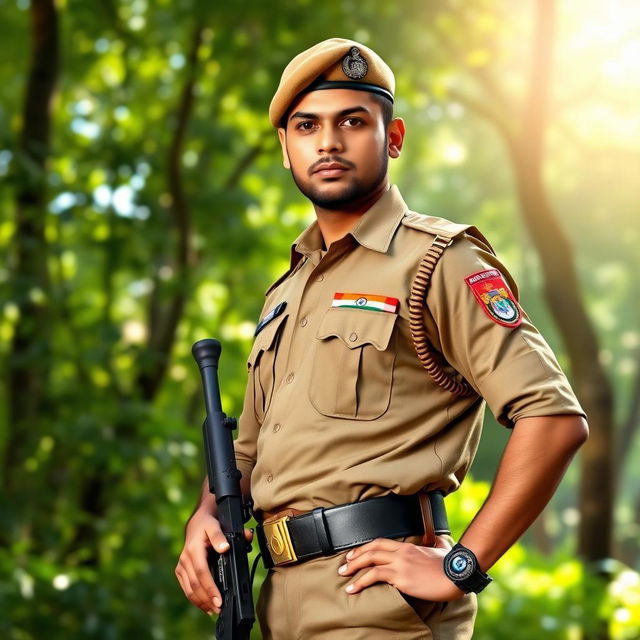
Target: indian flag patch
pixel 369 301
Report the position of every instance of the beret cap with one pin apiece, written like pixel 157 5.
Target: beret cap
pixel 336 63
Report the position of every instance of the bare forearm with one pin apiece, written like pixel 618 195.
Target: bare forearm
pixel 207 500
pixel 534 461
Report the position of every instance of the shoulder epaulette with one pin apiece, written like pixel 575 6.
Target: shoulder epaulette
pixel 441 227
pixel 433 225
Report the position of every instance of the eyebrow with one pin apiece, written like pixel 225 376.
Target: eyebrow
pixel 340 114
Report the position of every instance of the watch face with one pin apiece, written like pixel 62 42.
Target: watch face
pixel 461 565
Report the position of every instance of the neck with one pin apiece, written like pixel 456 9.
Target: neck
pixel 336 223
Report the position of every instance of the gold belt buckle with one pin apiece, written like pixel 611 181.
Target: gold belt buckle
pixel 279 542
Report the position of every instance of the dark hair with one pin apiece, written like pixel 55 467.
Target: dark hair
pixel 386 107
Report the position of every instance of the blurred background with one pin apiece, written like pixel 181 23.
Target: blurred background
pixel 144 206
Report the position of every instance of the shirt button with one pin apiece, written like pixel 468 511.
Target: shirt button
pixel 269 478
pixel 276 427
pixel 290 378
pixel 303 322
pixel 353 337
pixel 320 278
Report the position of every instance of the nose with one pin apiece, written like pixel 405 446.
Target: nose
pixel 330 140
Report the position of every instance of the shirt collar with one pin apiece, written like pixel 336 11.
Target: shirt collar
pixel 373 230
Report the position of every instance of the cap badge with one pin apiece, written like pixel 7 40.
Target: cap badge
pixel 354 65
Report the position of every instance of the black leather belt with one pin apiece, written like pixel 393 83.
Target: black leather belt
pixel 325 531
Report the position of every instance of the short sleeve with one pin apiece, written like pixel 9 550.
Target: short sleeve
pixel 474 318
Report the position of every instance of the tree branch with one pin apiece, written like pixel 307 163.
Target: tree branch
pixel 245 161
pixel 483 110
pixel 164 317
pixel 482 75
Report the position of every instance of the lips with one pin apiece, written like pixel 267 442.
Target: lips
pixel 331 169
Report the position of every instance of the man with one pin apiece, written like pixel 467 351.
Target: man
pixel 339 412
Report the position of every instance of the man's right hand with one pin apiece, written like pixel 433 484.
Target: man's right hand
pixel 202 532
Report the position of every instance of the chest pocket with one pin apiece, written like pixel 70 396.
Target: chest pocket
pixel 262 364
pixel 353 364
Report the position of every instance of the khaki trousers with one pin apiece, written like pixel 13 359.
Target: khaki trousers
pixel 308 601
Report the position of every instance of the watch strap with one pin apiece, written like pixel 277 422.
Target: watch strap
pixel 461 567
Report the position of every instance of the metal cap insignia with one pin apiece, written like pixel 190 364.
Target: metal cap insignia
pixel 354 65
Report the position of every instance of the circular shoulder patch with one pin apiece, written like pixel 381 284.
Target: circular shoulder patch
pixel 354 65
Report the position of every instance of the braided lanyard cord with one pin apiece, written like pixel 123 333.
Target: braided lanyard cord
pixel 417 300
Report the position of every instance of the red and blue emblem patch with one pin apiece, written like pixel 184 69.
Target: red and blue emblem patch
pixel 495 297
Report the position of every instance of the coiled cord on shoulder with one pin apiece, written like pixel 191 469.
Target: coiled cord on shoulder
pixel 417 300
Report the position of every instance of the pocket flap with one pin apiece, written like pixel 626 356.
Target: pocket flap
pixel 266 338
pixel 356 327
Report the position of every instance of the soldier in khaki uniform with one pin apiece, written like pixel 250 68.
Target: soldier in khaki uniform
pixel 373 359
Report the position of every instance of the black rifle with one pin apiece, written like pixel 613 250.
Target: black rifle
pixel 230 570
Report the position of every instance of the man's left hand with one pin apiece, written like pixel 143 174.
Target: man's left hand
pixel 414 570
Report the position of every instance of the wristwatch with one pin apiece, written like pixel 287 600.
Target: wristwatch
pixel 461 567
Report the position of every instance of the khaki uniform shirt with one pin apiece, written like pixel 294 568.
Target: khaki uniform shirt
pixel 338 407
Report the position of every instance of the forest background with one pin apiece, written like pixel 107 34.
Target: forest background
pixel 143 206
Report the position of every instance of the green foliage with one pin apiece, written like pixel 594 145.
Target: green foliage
pixel 553 595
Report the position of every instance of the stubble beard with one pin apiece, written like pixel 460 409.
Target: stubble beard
pixel 350 195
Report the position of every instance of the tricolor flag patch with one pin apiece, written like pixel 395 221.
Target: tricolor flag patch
pixel 495 297
pixel 369 301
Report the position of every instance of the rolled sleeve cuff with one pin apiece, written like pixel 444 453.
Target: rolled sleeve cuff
pixel 526 386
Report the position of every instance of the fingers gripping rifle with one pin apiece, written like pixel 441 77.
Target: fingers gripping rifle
pixel 230 570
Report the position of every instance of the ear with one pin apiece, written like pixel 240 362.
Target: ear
pixel 283 143
pixel 395 137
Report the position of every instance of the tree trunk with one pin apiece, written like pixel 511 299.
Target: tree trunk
pixel 562 292
pixel 524 140
pixel 29 352
pixel 563 295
